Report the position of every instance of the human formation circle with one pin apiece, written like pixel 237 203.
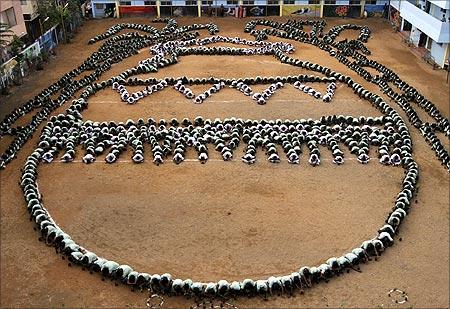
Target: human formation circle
pixel 295 140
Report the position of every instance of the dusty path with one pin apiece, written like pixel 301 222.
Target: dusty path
pixel 226 219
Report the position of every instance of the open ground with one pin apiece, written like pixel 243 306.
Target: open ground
pixel 227 219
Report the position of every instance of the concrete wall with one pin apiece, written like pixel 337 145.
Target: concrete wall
pixel 19 29
pixel 100 12
pixel 31 16
pixel 395 4
pixel 439 52
pixel 415 35
pixel 31 7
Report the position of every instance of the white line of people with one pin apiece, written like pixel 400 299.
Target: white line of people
pixel 173 139
pixel 65 132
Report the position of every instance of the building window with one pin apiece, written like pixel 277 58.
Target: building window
pixel 99 6
pixel 371 1
pixel 272 2
pixel 125 2
pixel 191 2
pixel 289 1
pixel 150 2
pixel 330 1
pixel 355 2
pixel 9 17
pixel 248 2
pixel 23 2
pixel 314 2
pixel 232 2
pixel 166 3
pixel 207 2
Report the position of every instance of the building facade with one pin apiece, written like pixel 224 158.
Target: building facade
pixel 31 17
pixel 305 8
pixel 428 25
pixel 11 14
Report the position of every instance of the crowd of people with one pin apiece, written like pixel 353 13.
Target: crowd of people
pixel 171 139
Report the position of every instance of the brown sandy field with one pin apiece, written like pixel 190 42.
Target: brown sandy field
pixel 226 219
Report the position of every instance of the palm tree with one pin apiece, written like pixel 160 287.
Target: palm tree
pixel 5 33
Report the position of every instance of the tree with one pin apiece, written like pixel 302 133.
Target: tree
pixel 5 34
pixel 16 46
pixel 56 12
pixel 74 8
pixel 47 8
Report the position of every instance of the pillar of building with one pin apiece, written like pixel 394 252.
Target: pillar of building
pixel 363 6
pixel 117 8
pixel 447 57
pixel 158 8
pixel 199 8
pixel 281 7
pixel 322 2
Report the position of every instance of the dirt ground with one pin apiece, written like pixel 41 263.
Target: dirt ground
pixel 227 220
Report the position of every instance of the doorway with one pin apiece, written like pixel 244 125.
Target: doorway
pixel 407 26
pixel 422 40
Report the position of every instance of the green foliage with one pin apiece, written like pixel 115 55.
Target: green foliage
pixel 74 8
pixel 16 45
pixel 56 13
pixel 39 64
pixel 45 55
pixel 17 75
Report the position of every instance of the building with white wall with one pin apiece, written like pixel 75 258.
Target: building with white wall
pixel 429 24
pixel 99 6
